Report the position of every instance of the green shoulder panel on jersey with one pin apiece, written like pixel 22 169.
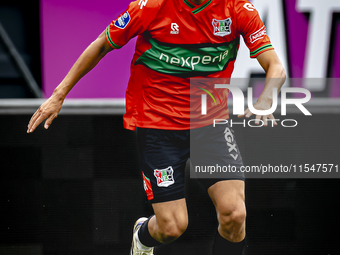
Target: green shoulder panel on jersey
pixel 187 60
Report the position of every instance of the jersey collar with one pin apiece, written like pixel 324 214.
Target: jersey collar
pixel 194 8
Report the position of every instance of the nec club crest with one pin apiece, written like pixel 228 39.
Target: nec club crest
pixel 165 177
pixel 222 27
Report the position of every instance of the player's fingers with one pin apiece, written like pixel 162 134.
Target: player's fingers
pixel 257 119
pixel 247 113
pixel 32 121
pixel 48 122
pixel 265 120
pixel 272 118
pixel 242 115
pixel 33 118
pixel 36 123
pixel 37 118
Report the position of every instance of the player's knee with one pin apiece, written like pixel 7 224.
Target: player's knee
pixel 173 229
pixel 239 216
pixel 232 218
pixel 232 224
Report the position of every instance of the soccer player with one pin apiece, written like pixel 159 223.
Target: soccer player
pixel 178 40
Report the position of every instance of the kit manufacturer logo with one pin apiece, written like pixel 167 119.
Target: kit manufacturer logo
pixel 174 29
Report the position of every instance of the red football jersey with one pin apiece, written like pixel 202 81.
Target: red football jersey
pixel 179 40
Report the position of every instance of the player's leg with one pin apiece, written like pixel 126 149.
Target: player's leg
pixel 170 220
pixel 163 158
pixel 228 198
pixel 216 146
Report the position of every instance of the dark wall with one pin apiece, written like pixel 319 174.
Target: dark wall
pixel 21 20
pixel 76 189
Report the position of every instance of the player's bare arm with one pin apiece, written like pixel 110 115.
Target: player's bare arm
pixel 275 77
pixel 85 63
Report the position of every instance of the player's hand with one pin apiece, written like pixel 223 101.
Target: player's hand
pixel 48 110
pixel 260 105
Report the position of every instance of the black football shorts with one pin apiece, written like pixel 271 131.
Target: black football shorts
pixel 164 154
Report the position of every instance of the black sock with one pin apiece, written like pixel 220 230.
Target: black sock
pixel 222 246
pixel 144 235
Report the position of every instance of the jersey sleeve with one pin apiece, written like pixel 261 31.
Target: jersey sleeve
pixel 252 28
pixel 134 21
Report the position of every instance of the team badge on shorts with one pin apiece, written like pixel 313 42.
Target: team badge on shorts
pixel 222 27
pixel 123 20
pixel 165 177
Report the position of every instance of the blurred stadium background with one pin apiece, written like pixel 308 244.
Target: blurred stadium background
pixel 76 188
